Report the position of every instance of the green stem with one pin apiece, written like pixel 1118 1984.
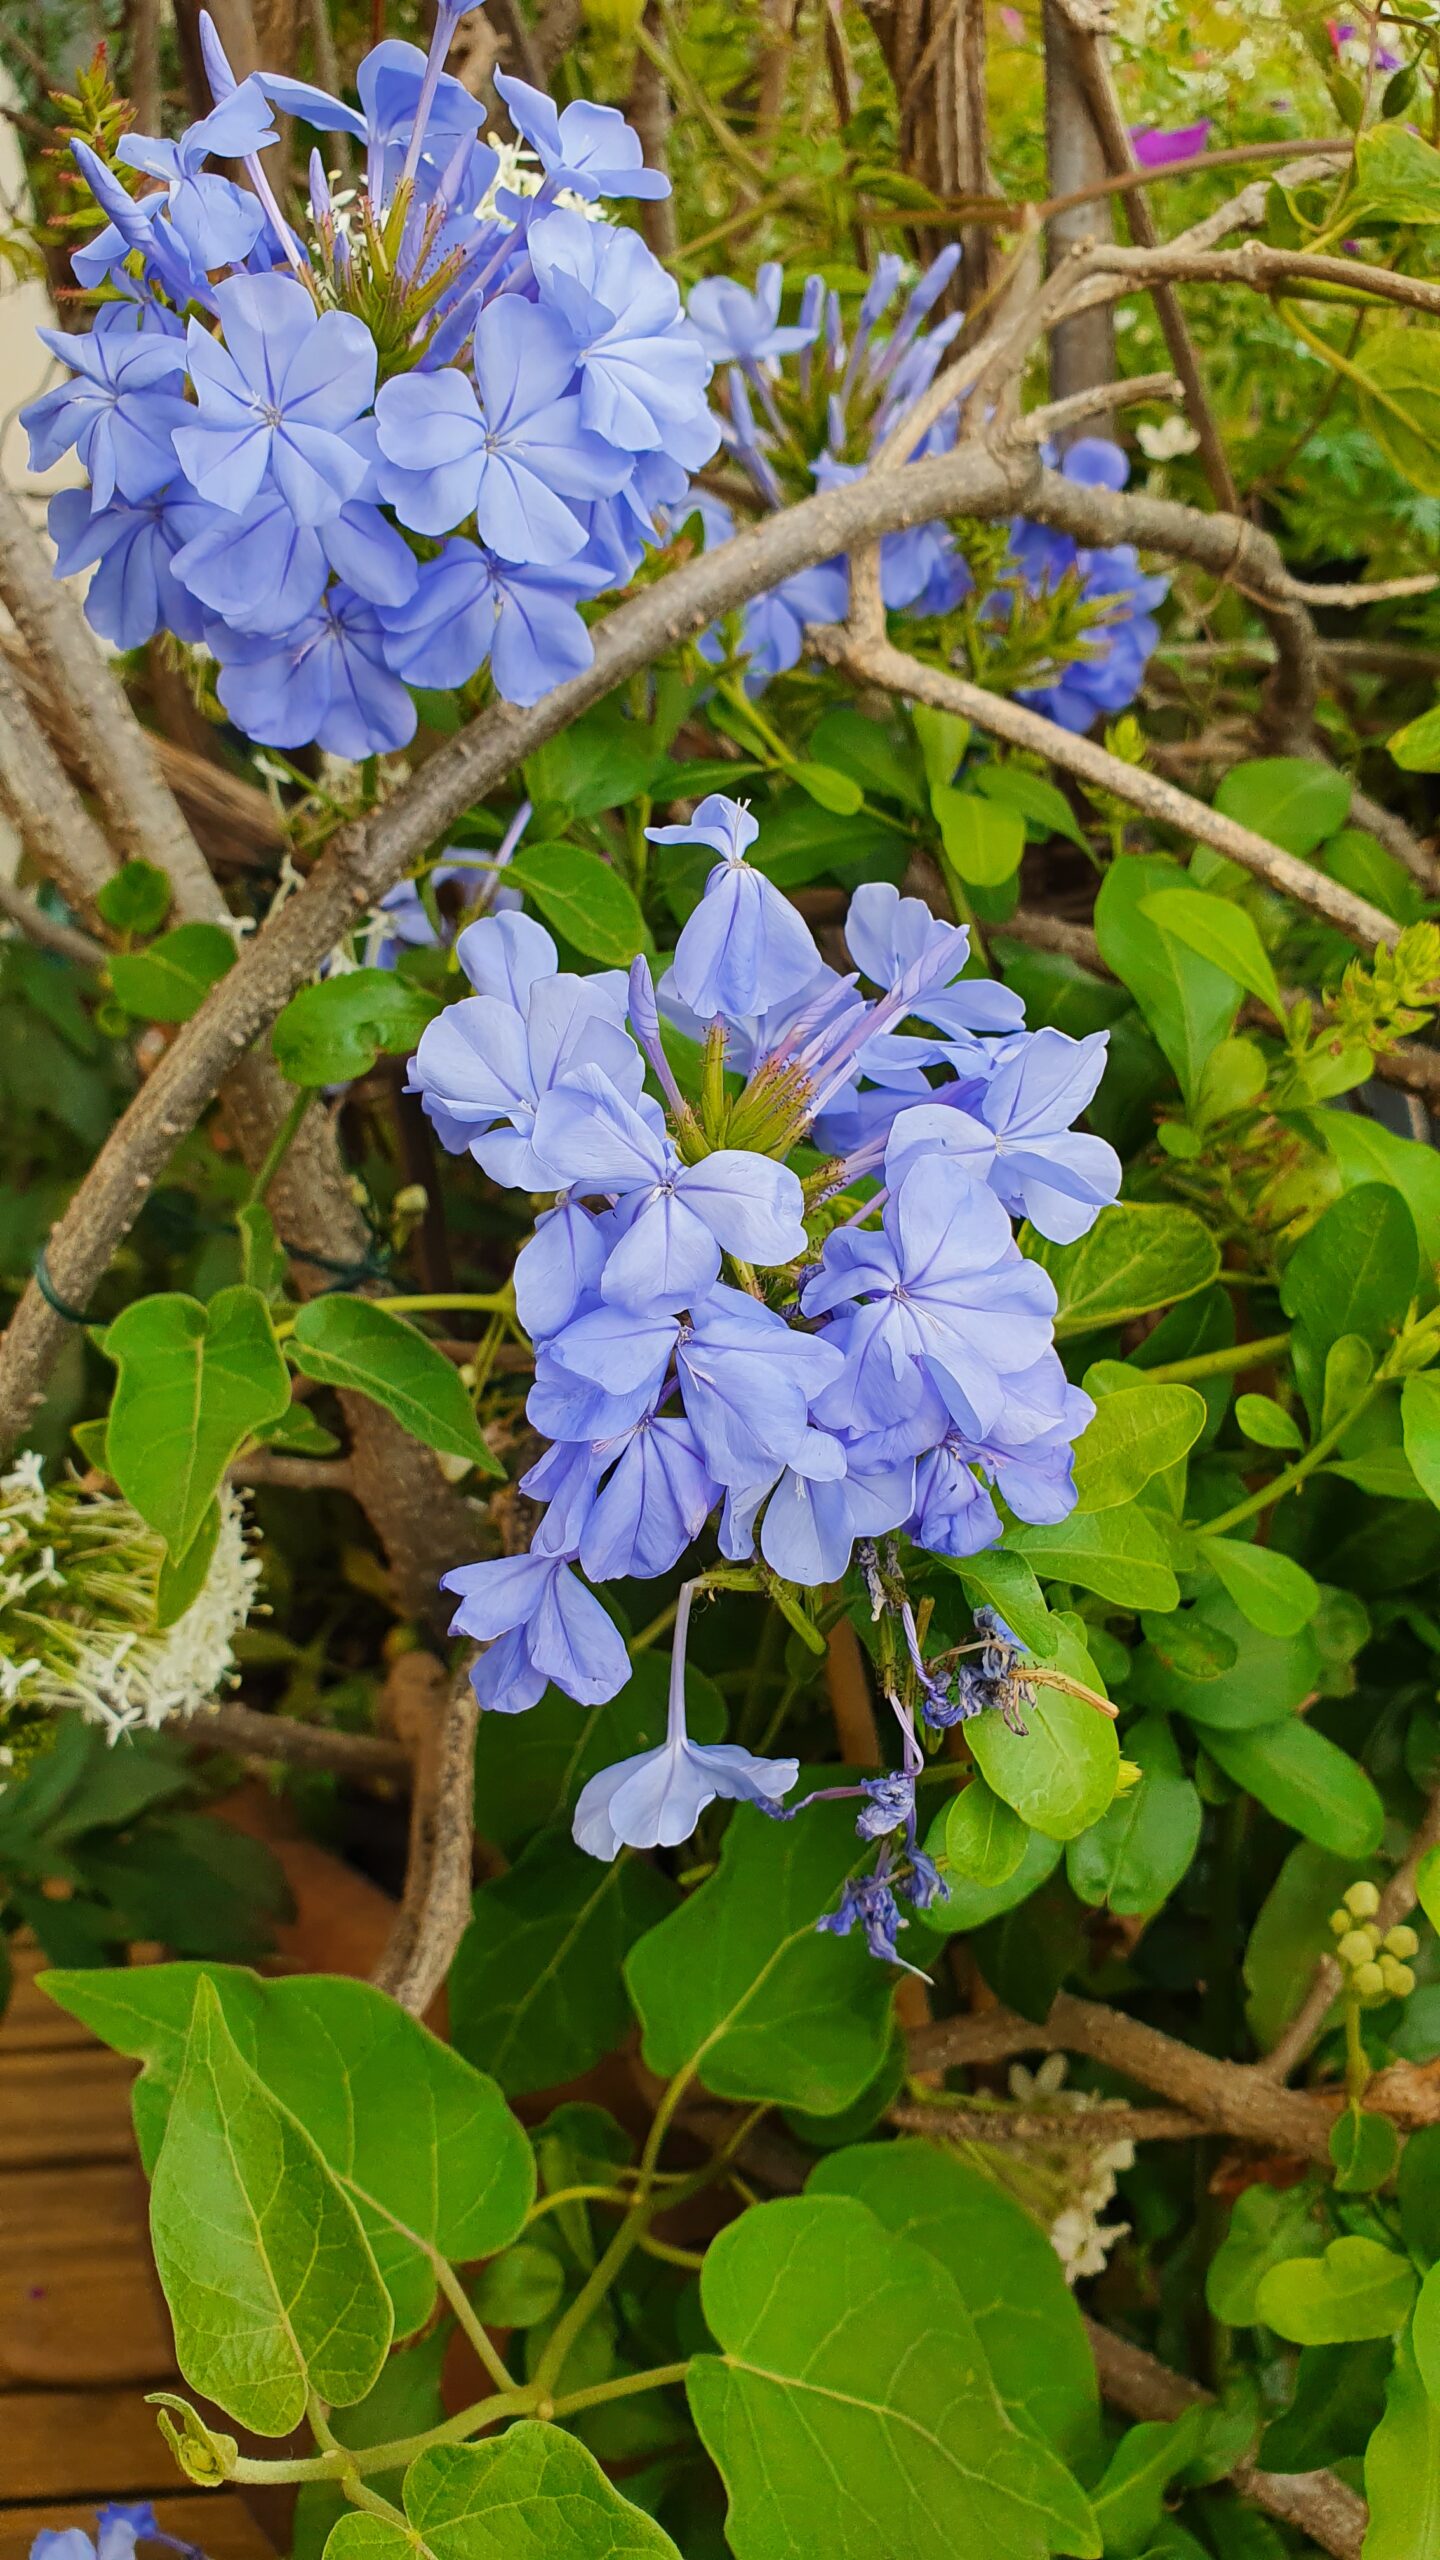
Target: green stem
pixel 577 2195
pixel 1357 2060
pixel 657 2379
pixel 787 1601
pixel 461 1302
pixel 279 1147
pixel 1290 1477
pixel 474 2328
pixel 1225 1363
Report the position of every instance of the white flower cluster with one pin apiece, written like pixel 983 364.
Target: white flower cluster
pixel 1088 2170
pixel 79 1572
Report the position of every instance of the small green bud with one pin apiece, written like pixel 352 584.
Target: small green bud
pixel 1363 1900
pixel 1402 1942
pixel 1340 1921
pixel 1128 1777
pixel 1357 1947
pixel 1369 1981
pixel 1398 1979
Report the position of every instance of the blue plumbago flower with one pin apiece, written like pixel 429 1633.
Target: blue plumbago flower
pixel 542 399
pixel 118 2528
pixel 805 407
pixel 655 1799
pixel 708 1363
pixel 868 1903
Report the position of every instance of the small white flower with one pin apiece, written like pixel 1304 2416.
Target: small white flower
pixel 1173 436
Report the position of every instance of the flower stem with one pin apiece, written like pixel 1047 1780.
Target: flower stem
pixel 279 1148
pixel 1290 1477
pixel 1224 1363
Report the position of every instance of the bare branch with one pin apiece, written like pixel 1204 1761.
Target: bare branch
pixel 54 826
pixel 48 933
pixel 1082 347
pixel 1110 273
pixel 293 1474
pixel 951 2120
pixel 252 1735
pixel 436 1907
pixel 1315 2502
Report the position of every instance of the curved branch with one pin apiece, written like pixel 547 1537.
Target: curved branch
pixel 364 861
pixel 435 1909
pixel 252 1735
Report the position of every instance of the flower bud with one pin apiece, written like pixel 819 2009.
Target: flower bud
pixel 1398 1979
pixel 1357 1947
pixel 1340 1921
pixel 1402 1942
pixel 1363 1900
pixel 1369 1981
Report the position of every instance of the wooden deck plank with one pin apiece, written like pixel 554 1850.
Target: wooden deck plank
pixel 59 2105
pixel 218 2521
pixel 31 2022
pixel 78 2444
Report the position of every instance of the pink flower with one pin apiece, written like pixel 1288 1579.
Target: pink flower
pixel 1155 148
pixel 1013 23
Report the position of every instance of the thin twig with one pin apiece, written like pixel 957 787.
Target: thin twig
pixel 1013 2128
pixel 436 1907
pixel 48 933
pixel 252 1735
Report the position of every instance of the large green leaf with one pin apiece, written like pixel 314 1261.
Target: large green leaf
pixel 535 2490
pixel 851 2385
pixel 738 1985
pixel 271 2282
pixel 1188 1004
pixel 1004 2268
pixel 1365 1151
pixel 1357 2290
pixel 171 980
pixel 1136 1853
pixel 195 1382
pixel 1060 1774
pixel 1356 1270
pixel 353 1343
pixel 1121 1554
pixel 985 1838
pixel 584 899
pixel 1275 1593
pixel 1399 371
pixel 1264 1679
pixel 1397 175
pixel 1134 1259
pixel 450 2170
pixel 536 1991
pixel 1306 1780
pixel 1402 2470
pixel 335 1030
pixel 982 838
pixel 1293 800
pixel 1219 931
pixel 1136 1432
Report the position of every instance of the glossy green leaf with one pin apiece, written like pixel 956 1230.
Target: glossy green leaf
pixel 170 981
pixel 335 1030
pixel 1267 1423
pixel 1420 1416
pixel 838 792
pixel 1365 1151
pixel 984 1837
pixel 982 838
pixel 536 1991
pixel 1275 1593
pixel 1305 1779
pixel 1136 1258
pixel 1356 1270
pixel 1188 1003
pixel 1357 2290
pixel 355 1344
pixel 1121 1554
pixel 1003 2266
pixel 534 2488
pixel 1220 932
pixel 584 899
pixel 1136 1432
pixel 272 2285
pixel 1402 2470
pixel 1040 802
pixel 1060 1774
pixel 1136 1853
pixel 1293 800
pixel 1416 747
pixel 740 1986
pixel 1418 2194
pixel 195 1382
pixel 1397 174
pixel 970 1904
pixel 851 2384
pixel 450 2171
pixel 1427 1886
pixel 1264 1678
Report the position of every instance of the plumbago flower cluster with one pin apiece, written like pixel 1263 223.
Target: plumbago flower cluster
pixel 712 1346
pixel 403 439
pixel 806 407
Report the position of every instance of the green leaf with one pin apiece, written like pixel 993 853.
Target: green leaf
pixel 982 838
pixel 1134 1259
pixel 520 2288
pixel 1366 2152
pixel 1121 1554
pixel 971 1904
pixel 179 1583
pixel 943 737
pixel 1427 1886
pixel 837 792
pixel 334 1031
pixel 1425 2333
pixel 868 753
pixel 1418 2191
pixel 356 1344
pixel 1275 1593
pixel 1356 1271
pixel 171 980
pixel 1130 2499
pixel 536 1993
pixel 271 2283
pixel 1293 800
pixel 1003 1581
pixel 1338 2399
pixel 739 1985
pixel 194 1383
pixel 985 1838
pixel 1357 2290
pixel 851 2383
pixel 1004 2268
pixel 1396 174
pixel 1269 2227
pixel 1367 1152
pixel 584 899
pixel 1221 932
pixel 1399 371
pixel 1267 1423
pixel 1264 1678
pixel 450 2170
pixel 1402 2470
pixel 1061 1773
pixel 1305 1779
pixel 1135 1433
pixel 136 899
pixel 1136 1853
pixel 1189 1005
pixel 596 763
pixel 535 2487
pixel 1416 747
pixel 1037 800
pixel 1420 1420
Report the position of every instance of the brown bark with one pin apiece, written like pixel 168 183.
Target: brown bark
pixel 1082 349
pixel 935 53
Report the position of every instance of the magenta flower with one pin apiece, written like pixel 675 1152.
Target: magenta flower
pixel 1155 147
